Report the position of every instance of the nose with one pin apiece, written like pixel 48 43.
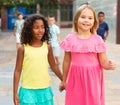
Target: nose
pixel 86 19
pixel 40 29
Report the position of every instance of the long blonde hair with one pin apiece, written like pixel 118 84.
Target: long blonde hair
pixel 77 15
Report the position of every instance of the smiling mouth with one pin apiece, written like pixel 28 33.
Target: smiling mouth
pixel 39 34
pixel 85 25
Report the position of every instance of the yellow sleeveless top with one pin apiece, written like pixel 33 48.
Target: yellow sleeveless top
pixel 35 67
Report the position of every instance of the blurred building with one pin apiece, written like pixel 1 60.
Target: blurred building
pixel 8 16
pixel 63 14
pixel 108 7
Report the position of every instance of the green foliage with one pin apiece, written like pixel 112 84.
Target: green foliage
pixel 12 3
pixel 29 4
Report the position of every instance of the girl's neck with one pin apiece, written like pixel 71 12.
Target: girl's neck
pixel 36 43
pixel 83 33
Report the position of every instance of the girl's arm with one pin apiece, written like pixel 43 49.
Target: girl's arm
pixel 17 73
pixel 51 61
pixel 66 65
pixel 105 63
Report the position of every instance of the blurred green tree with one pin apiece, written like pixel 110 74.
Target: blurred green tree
pixel 11 3
pixel 28 3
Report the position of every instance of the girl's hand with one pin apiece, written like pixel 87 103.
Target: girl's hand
pixel 62 86
pixel 112 65
pixel 16 100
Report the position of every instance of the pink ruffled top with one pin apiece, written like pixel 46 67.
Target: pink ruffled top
pixel 72 43
pixel 85 72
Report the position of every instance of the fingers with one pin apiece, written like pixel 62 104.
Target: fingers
pixel 112 65
pixel 17 103
pixel 16 100
pixel 61 87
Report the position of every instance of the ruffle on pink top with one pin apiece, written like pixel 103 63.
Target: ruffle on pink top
pixel 72 43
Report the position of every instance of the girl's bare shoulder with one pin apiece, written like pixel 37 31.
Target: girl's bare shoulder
pixel 21 48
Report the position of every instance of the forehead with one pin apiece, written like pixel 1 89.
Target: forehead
pixel 38 22
pixel 101 15
pixel 20 15
pixel 87 11
pixel 51 18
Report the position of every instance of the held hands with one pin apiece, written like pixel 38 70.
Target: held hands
pixel 62 86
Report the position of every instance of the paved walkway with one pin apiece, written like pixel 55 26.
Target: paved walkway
pixel 7 63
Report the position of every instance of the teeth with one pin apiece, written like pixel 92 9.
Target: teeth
pixel 85 25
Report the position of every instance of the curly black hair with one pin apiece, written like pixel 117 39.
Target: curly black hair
pixel 27 34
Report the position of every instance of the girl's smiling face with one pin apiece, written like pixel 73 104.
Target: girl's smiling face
pixel 38 29
pixel 86 20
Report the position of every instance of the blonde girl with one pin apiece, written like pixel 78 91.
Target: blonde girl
pixel 84 61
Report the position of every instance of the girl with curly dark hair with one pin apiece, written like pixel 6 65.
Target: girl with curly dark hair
pixel 33 57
